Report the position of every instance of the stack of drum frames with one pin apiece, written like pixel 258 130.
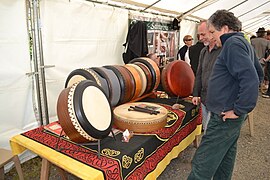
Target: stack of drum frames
pixel 137 80
pixel 151 71
pixel 113 83
pixel 126 81
pixel 84 112
pixel 87 73
pixel 177 79
pixel 142 77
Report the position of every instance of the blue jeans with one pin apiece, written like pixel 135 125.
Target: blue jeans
pixel 216 154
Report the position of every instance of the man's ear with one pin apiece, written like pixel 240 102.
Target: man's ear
pixel 225 29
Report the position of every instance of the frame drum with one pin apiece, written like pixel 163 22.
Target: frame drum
pixel 153 67
pixel 177 79
pixel 84 112
pixel 142 78
pixel 138 121
pixel 78 75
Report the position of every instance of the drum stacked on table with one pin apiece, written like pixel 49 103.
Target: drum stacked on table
pixel 177 79
pixel 84 107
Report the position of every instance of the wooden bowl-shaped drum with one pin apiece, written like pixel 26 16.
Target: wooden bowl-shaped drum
pixel 139 121
pixel 84 112
pixel 177 79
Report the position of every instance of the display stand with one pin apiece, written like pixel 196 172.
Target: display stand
pixel 59 149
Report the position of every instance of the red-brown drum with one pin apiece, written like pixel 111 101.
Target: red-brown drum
pixel 177 79
pixel 84 112
pixel 139 121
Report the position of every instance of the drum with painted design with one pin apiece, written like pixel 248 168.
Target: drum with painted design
pixel 84 112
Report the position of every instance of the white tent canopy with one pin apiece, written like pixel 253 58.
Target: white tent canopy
pixel 252 13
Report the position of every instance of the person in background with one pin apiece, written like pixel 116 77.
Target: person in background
pixel 154 57
pixel 183 51
pixel 261 45
pixel 194 53
pixel 207 59
pixel 232 93
pixel 268 35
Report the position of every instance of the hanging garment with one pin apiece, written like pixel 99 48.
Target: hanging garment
pixel 136 42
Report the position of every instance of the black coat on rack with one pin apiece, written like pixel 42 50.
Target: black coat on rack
pixel 136 42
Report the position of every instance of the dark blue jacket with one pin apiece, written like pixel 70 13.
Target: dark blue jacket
pixel 234 82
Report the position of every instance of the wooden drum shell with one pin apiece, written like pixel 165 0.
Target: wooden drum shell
pixel 139 122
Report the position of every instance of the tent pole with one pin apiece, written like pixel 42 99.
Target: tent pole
pixel 150 5
pixel 42 66
pixel 39 63
pixel 196 8
pixel 35 63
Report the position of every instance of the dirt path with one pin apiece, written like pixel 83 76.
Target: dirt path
pixel 253 156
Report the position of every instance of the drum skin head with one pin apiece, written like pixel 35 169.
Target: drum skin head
pixel 177 79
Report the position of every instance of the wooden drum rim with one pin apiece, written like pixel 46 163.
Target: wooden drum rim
pixel 153 67
pixel 142 78
pixel 137 79
pixel 84 74
pixel 64 116
pixel 156 68
pixel 129 81
pixel 148 76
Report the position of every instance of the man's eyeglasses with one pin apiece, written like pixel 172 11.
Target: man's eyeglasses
pixel 189 39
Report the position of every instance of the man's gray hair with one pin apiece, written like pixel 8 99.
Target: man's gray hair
pixel 222 18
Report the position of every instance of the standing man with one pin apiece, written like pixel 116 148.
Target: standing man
pixel 207 59
pixel 232 94
pixel 194 53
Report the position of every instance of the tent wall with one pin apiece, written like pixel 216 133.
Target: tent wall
pixel 79 34
pixel 16 112
pixel 187 28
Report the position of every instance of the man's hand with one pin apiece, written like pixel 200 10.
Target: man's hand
pixel 229 114
pixel 196 100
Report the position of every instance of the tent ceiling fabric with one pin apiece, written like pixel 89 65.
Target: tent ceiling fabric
pixel 252 13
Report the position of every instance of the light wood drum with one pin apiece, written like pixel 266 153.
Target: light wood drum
pixel 139 121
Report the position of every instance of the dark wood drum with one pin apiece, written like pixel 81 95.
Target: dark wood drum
pixel 138 121
pixel 177 79
pixel 84 112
